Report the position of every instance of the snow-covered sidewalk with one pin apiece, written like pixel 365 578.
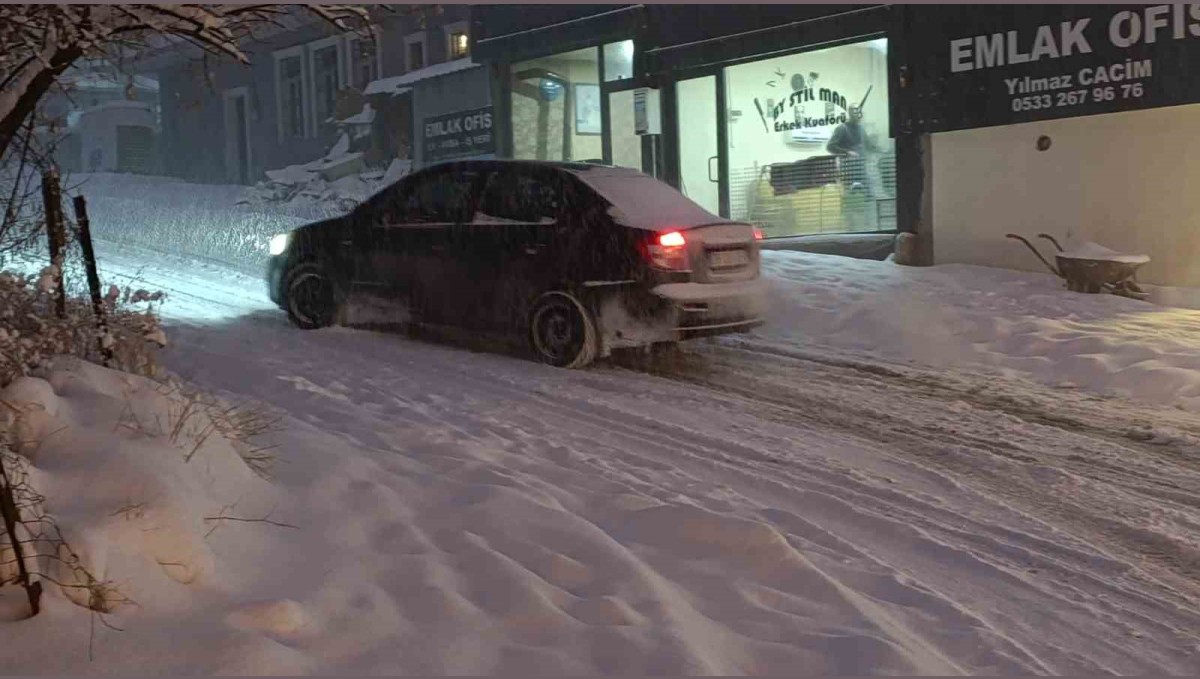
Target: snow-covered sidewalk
pixel 1013 323
pixel 781 503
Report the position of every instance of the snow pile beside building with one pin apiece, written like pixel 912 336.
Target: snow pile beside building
pixel 1016 322
pixel 338 181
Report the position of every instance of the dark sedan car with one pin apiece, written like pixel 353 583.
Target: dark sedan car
pixel 579 259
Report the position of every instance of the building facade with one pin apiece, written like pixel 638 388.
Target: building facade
pixel 1073 120
pixel 978 120
pixel 780 115
pixel 305 86
pixel 818 123
pixel 104 120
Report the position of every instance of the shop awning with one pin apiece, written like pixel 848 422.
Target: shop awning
pixel 706 35
pixel 399 84
pixel 511 33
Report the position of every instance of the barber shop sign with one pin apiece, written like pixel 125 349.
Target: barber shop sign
pixel 807 108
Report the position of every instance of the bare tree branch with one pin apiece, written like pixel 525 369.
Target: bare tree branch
pixel 39 42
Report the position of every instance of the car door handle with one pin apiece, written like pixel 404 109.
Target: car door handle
pixel 711 178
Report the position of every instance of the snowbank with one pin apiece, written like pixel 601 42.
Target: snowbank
pixel 1015 322
pixel 201 220
pixel 139 478
pixel 466 543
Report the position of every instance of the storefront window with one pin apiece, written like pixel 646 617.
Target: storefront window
pixel 556 107
pixel 698 151
pixel 810 150
pixel 626 145
pixel 618 61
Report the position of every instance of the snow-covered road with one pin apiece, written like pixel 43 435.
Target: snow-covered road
pixel 744 508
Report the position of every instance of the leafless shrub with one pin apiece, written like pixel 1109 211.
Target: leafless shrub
pixel 193 416
pixel 31 333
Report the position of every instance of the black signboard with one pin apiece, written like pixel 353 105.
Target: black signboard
pixel 459 135
pixel 983 65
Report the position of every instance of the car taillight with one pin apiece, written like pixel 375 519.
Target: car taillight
pixel 673 239
pixel 758 234
pixel 669 251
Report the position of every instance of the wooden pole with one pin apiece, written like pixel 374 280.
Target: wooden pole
pixel 56 233
pixel 12 517
pixel 93 277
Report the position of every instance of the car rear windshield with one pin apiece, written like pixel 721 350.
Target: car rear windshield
pixel 644 202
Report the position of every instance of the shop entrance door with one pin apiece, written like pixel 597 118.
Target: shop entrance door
pixel 623 145
pixel 699 148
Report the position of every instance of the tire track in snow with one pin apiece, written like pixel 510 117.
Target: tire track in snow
pixel 1089 413
pixel 666 444
pixel 1083 423
pixel 639 433
pixel 858 499
pixel 436 374
pixel 459 426
pixel 1179 559
pixel 448 370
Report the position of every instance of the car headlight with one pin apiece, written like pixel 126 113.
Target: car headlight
pixel 279 243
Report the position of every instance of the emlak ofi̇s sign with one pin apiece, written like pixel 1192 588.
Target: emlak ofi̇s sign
pixel 1003 64
pixel 459 135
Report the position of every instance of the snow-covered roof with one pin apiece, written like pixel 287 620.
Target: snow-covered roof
pixel 398 84
pixel 120 104
pixel 363 117
pixel 106 81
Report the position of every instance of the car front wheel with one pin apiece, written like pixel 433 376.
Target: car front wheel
pixel 562 331
pixel 311 297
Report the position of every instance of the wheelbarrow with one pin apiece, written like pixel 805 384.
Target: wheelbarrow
pixel 1093 268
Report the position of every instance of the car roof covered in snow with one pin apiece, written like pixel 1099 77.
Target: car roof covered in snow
pixel 637 199
pixel 568 165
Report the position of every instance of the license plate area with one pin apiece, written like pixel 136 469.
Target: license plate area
pixel 728 259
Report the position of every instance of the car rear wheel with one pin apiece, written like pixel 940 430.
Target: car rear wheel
pixel 562 331
pixel 311 297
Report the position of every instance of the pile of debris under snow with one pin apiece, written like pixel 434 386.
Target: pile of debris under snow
pixel 339 180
